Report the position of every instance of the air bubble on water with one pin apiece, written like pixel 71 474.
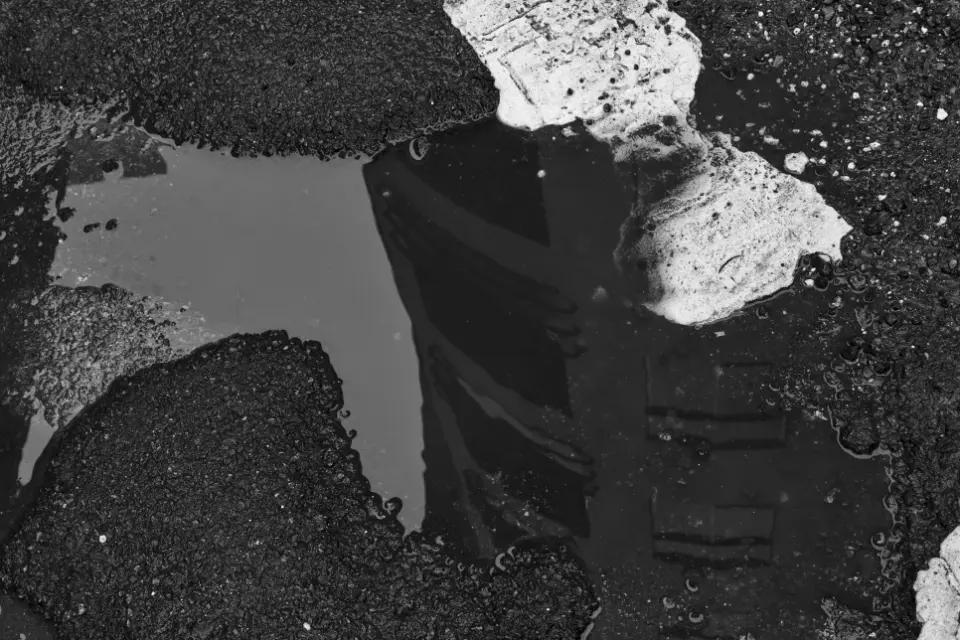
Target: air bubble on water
pixel 878 540
pixel 344 414
pixel 695 618
pixel 418 148
pixel 691 586
pixel 393 506
pixel 668 603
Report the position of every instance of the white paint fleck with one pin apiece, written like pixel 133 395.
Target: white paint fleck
pixel 941 114
pixel 795 163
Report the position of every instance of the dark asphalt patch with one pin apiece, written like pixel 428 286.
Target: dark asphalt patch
pixel 217 496
pixel 261 77
pixel 883 359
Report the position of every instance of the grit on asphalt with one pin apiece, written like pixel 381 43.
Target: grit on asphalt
pixel 218 496
pixel 269 78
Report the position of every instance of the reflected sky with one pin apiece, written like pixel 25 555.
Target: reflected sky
pixel 256 244
pixel 478 317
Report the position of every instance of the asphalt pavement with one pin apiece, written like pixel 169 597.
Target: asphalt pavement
pixel 218 496
pixel 877 80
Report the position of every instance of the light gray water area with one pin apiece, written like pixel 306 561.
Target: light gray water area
pixel 268 243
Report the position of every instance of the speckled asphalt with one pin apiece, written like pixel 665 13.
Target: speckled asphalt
pixel 283 77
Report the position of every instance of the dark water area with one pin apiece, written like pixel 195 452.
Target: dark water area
pixel 552 405
pixel 555 407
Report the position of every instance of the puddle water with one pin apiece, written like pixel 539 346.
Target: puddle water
pixel 552 407
pixel 38 435
pixel 256 244
pixel 482 328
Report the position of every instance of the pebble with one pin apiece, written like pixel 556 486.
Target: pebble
pixel 941 114
pixel 795 163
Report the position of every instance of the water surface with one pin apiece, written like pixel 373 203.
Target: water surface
pixel 556 406
pixel 256 244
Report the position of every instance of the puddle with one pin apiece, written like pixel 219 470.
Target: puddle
pixel 38 435
pixel 554 407
pixel 256 244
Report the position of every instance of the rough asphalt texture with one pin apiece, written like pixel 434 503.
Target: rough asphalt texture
pixel 63 347
pixel 886 368
pixel 260 77
pixel 217 496
pixel 273 77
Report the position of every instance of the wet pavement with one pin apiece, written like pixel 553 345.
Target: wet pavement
pixel 715 482
pixel 284 231
pixel 542 401
pixel 554 406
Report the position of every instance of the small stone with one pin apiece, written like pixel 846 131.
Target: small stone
pixel 795 163
pixel 941 114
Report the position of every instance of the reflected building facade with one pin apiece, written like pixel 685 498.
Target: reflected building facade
pixel 553 405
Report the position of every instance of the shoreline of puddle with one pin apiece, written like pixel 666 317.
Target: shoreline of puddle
pixel 390 180
pixel 245 245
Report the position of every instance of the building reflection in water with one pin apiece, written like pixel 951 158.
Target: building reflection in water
pixel 553 406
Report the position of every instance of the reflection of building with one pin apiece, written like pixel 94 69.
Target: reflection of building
pixel 493 344
pixel 551 408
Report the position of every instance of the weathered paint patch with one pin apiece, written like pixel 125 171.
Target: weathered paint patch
pixel 628 69
pixel 729 234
